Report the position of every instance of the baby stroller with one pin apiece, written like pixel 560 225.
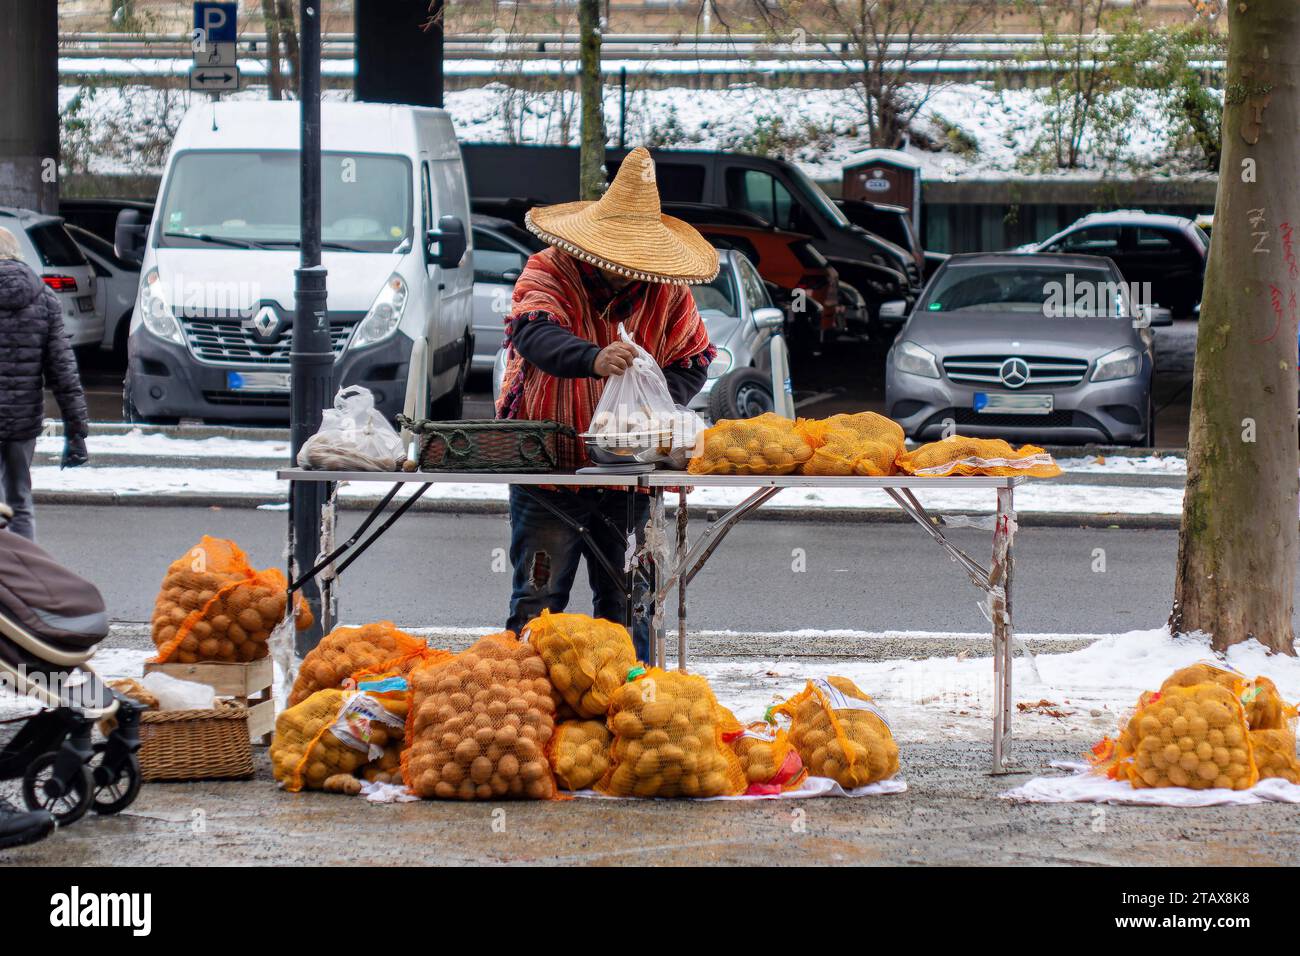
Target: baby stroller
pixel 50 622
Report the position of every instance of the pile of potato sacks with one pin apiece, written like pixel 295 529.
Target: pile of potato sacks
pixel 213 606
pixel 484 724
pixel 1207 727
pixel 863 444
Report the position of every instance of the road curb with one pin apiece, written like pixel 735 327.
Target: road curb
pixel 1041 519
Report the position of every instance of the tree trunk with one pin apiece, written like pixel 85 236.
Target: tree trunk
pixel 591 145
pixel 274 77
pixel 1238 545
pixel 289 37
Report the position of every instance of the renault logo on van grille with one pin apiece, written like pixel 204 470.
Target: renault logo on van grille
pixel 266 322
pixel 1014 372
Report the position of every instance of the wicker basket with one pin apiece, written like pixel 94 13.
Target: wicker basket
pixel 196 744
pixel 494 445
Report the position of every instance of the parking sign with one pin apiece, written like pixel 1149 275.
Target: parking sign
pixel 215 22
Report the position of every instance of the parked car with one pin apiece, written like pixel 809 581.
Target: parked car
pixel 117 281
pixel 211 332
pixel 776 192
pixel 1169 252
pixel 500 251
pixel 1010 345
pixel 802 275
pixel 99 216
pixel 59 261
pixel 751 373
pixel 895 225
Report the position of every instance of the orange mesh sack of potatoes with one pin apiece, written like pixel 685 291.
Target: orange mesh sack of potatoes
pixel 957 455
pixel 587 658
pixel 669 739
pixel 1192 737
pixel 840 733
pixel 1112 756
pixel 767 757
pixel 1203 672
pixel 766 445
pixel 862 444
pixel 213 606
pixel 579 753
pixel 1275 754
pixel 330 733
pixel 480 723
pixel 1265 708
pixel 354 652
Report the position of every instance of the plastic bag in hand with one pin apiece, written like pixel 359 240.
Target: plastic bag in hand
pixel 637 400
pixel 353 436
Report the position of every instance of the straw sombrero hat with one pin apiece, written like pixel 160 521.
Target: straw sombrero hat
pixel 624 232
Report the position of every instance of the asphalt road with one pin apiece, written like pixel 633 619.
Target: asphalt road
pixel 435 569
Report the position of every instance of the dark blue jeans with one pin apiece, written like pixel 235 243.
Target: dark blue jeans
pixel 544 553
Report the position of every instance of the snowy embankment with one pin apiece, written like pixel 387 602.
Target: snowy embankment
pixel 154 476
pixel 818 129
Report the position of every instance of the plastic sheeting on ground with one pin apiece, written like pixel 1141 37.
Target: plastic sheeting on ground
pixel 1082 786
pixel 811 787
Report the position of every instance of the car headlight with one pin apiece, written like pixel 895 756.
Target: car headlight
pixel 721 363
pixel 910 357
pixel 385 312
pixel 1121 363
pixel 155 312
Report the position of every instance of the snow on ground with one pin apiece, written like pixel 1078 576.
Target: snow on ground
pixel 1082 693
pixel 136 442
pixel 1056 496
pixel 1125 465
pixel 1001 123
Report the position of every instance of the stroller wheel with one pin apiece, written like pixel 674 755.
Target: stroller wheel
pixel 42 791
pixel 116 796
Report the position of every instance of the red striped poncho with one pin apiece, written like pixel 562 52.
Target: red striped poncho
pixel 661 318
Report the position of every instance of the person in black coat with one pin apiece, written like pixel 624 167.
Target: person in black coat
pixel 34 352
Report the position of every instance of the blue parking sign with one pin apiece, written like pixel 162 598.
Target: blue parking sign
pixel 215 21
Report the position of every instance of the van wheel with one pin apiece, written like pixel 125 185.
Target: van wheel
pixel 741 393
pixel 451 407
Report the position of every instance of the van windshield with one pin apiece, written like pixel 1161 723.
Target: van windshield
pixel 814 192
pixel 249 199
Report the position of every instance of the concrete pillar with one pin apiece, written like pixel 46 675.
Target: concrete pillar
pixel 29 104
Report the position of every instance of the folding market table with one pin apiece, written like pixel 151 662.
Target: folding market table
pixel 677 565
pixel 688 559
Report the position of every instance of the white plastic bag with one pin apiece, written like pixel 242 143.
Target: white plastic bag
pixel 176 694
pixel 636 401
pixel 353 436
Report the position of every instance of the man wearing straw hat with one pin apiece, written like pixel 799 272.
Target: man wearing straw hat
pixel 615 260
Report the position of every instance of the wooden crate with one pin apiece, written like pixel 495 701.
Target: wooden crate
pixel 248 684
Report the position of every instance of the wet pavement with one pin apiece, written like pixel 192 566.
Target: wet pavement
pixel 951 815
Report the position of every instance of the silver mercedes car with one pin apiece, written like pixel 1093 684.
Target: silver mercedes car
pixel 1028 347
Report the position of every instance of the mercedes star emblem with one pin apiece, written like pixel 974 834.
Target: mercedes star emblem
pixel 1014 372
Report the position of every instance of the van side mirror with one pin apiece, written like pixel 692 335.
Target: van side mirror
pixel 446 245
pixel 130 234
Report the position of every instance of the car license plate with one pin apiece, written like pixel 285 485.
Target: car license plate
pixel 86 303
pixel 1004 403
pixel 257 381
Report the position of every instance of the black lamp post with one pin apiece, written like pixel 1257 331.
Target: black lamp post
pixel 311 356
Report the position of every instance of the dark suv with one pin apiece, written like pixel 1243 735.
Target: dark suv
pixel 1169 252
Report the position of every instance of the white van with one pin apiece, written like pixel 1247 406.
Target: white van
pixel 212 328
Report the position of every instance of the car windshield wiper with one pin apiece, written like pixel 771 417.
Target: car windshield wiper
pixel 216 240
pixel 325 244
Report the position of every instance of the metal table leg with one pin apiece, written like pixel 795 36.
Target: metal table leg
pixel 682 519
pixel 1003 633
